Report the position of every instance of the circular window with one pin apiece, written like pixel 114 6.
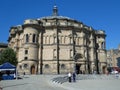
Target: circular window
pixel 47 66
pixel 25 65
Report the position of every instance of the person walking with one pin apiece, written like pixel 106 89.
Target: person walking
pixel 74 77
pixel 69 76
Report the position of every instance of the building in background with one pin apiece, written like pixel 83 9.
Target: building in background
pixel 3 46
pixel 113 58
pixel 57 44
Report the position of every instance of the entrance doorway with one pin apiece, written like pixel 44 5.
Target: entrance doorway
pixel 33 69
pixel 104 69
pixel 78 69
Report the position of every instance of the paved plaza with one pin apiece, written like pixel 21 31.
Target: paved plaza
pixel 59 82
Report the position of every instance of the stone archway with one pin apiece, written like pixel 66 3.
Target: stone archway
pixel 33 69
pixel 78 68
pixel 104 69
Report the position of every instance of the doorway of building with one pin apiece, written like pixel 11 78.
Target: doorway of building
pixel 78 68
pixel 104 69
pixel 33 69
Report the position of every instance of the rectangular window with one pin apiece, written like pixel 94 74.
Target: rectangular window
pixel 27 38
pixel 54 53
pixel 34 37
pixel 71 53
pixel 55 40
pixel 26 51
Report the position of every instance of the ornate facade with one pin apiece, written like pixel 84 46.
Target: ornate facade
pixel 57 44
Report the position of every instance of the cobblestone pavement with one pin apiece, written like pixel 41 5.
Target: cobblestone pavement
pixel 33 82
pixel 48 82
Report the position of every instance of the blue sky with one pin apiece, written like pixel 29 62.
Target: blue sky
pixel 100 14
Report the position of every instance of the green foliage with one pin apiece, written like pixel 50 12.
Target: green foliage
pixel 8 55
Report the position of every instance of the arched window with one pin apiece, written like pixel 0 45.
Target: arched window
pixel 34 38
pixel 27 38
pixel 33 71
pixel 71 53
pixel 62 66
pixel 54 53
pixel 103 45
pixel 20 66
pixel 55 39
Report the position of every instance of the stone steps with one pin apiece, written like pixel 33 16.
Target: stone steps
pixel 60 80
pixel 97 77
pixel 63 79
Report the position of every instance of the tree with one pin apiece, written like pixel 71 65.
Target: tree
pixel 8 55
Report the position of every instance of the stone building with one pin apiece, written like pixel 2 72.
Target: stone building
pixel 57 44
pixel 113 57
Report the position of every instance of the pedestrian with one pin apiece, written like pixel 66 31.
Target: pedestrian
pixel 0 80
pixel 24 73
pixel 74 77
pixel 69 76
pixel 14 75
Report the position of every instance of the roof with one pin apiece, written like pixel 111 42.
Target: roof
pixel 7 66
pixel 55 15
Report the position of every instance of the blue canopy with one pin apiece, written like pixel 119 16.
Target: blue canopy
pixel 7 66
